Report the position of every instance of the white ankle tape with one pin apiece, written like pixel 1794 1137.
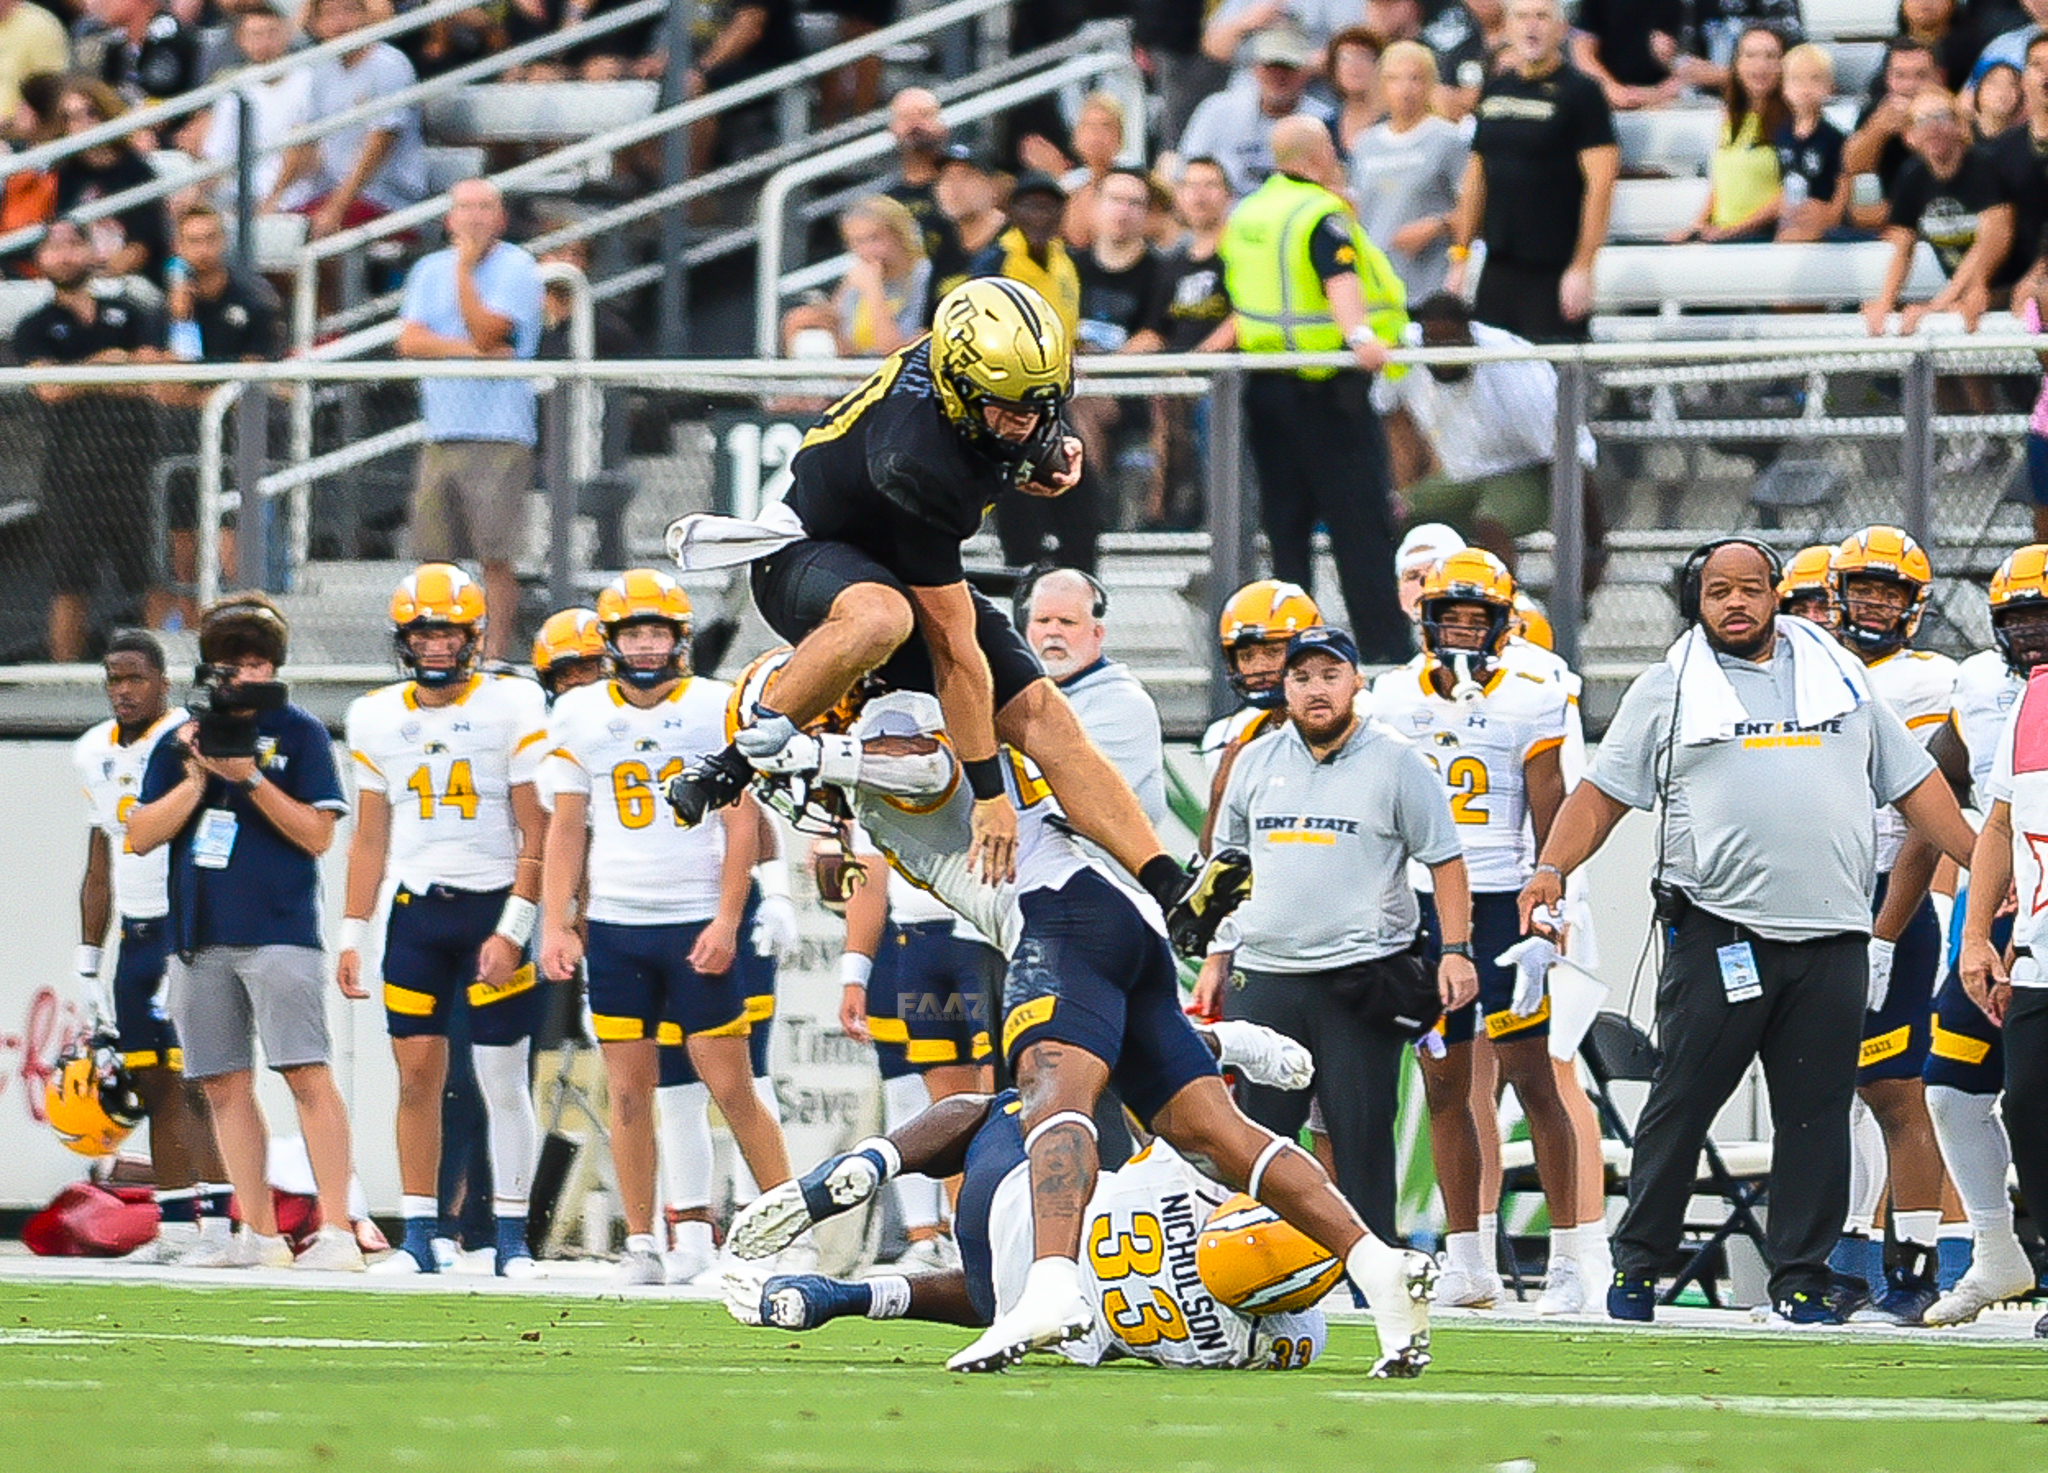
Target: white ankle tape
pixel 1065 1117
pixel 1273 1148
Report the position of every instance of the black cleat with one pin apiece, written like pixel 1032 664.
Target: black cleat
pixel 707 786
pixel 1209 890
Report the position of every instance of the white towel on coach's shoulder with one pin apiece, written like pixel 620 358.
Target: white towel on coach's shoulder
pixel 704 540
pixel 1827 682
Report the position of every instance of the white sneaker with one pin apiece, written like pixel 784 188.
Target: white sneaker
pixel 215 1249
pixel 522 1269
pixel 447 1253
pixel 1999 1269
pixel 639 1268
pixel 333 1250
pixel 1396 1283
pixel 1458 1288
pixel 1051 1311
pixel 1565 1292
pixel 253 1250
pixel 171 1243
pixel 397 1264
pixel 685 1265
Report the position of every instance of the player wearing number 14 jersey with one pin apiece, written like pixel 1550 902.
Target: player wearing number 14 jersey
pixel 665 899
pixel 446 812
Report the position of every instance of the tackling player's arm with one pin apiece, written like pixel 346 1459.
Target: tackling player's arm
pixel 867 917
pixel 369 848
pixel 1982 968
pixel 561 879
pixel 498 958
pixel 966 692
pixel 1583 822
pixel 719 942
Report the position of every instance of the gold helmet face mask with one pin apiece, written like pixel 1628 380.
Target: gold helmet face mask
pixel 1475 577
pixel 2019 587
pixel 1267 611
pixel 998 344
pixel 437 596
pixel 1885 555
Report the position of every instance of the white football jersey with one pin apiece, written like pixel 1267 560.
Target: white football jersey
pixel 1138 1268
pixel 910 904
pixel 112 775
pixel 645 868
pixel 448 773
pixel 1480 748
pixel 1920 686
pixel 1240 725
pixel 1985 691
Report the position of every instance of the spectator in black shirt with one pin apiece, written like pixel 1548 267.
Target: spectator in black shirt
pixel 237 320
pixel 966 194
pixel 1467 38
pixel 136 241
pixel 151 54
pixel 1630 47
pixel 1119 294
pixel 97 442
pixel 1878 146
pixel 1193 307
pixel 1538 186
pixel 1950 196
pixel 2020 156
pixel 920 134
pixel 1816 188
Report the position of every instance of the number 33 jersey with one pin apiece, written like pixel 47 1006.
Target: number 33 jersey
pixel 448 774
pixel 646 869
pixel 1480 747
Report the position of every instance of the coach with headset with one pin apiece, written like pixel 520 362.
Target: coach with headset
pixel 1769 756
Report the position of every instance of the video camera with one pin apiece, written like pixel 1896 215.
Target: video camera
pixel 227 708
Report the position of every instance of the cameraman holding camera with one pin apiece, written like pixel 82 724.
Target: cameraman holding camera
pixel 247 798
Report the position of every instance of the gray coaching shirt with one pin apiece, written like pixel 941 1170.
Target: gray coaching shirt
pixel 1330 843
pixel 1775 828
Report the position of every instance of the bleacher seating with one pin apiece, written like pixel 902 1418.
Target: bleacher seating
pixel 1669 140
pixel 1639 278
pixel 1650 209
pixel 536 112
pixel 1849 20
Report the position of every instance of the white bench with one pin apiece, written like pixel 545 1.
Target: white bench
pixel 1650 209
pixel 1674 277
pixel 536 112
pixel 1849 20
pixel 448 167
pixel 1671 140
pixel 1857 64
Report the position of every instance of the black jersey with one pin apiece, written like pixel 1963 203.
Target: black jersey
pixel 884 471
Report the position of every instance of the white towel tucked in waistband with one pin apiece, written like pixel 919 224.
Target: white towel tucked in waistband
pixel 1827 681
pixel 703 540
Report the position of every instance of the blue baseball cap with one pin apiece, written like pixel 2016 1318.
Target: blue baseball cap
pixel 1326 638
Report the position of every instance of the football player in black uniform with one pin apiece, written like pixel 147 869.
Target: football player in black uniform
pixel 887 486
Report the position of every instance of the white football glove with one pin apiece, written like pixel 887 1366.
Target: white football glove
pixel 1531 957
pixel 94 994
pixel 742 1284
pixel 1261 1055
pixel 774 935
pixel 775 746
pixel 1880 974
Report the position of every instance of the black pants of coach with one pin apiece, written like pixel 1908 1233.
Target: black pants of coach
pixel 1358 1073
pixel 2025 1105
pixel 1806 1029
pixel 1321 455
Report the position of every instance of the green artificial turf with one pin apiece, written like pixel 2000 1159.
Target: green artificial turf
pixel 122 1376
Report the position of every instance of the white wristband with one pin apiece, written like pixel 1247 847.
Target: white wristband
pixel 355 930
pixel 772 875
pixel 854 969
pixel 515 921
pixel 838 760
pixel 86 961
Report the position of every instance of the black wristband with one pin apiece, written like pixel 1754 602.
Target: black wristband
pixel 985 778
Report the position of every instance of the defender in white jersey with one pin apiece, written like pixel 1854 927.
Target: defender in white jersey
pixel 1880 579
pixel 446 816
pixel 133 889
pixel 1495 732
pixel 665 901
pixel 1141 1227
pixel 1965 1069
pixel 1091 999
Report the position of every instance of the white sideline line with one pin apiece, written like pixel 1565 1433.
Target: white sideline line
pixel 1809 1408
pixel 17 1336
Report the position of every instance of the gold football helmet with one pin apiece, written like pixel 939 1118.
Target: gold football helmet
pixel 998 344
pixel 1887 555
pixel 569 643
pixel 2018 588
pixel 1267 611
pixel 644 596
pixel 1806 580
pixel 91 1100
pixel 1257 1263
pixel 1472 576
pixel 437 596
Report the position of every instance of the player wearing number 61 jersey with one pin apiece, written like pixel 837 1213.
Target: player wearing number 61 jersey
pixel 446 813
pixel 665 899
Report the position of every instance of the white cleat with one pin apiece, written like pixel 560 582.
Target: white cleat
pixel 1261 1055
pixel 213 1250
pixel 686 1265
pixel 397 1264
pixel 1457 1289
pixel 770 1223
pixel 333 1250
pixel 1396 1283
pixel 1999 1270
pixel 252 1250
pixel 173 1241
pixel 800 1257
pixel 1051 1311
pixel 523 1269
pixel 1565 1293
pixel 639 1269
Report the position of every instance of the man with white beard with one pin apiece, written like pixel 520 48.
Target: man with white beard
pixel 1062 612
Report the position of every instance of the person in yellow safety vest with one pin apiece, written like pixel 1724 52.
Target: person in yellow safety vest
pixel 1303 278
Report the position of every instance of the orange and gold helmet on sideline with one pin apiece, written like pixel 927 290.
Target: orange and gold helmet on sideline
pixel 2018 588
pixel 1884 554
pixel 437 596
pixel 1267 611
pixel 645 596
pixel 1806 579
pixel 570 645
pixel 91 1100
pixel 1471 576
pixel 1532 623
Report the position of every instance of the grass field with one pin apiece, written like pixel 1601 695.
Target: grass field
pixel 128 1376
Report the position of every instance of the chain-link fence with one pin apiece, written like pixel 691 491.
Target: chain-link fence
pixel 128 497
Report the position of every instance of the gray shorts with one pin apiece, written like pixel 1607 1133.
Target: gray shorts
pixel 226 995
pixel 470 500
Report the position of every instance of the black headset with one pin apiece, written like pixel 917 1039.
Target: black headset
pixel 1098 606
pixel 1695 566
